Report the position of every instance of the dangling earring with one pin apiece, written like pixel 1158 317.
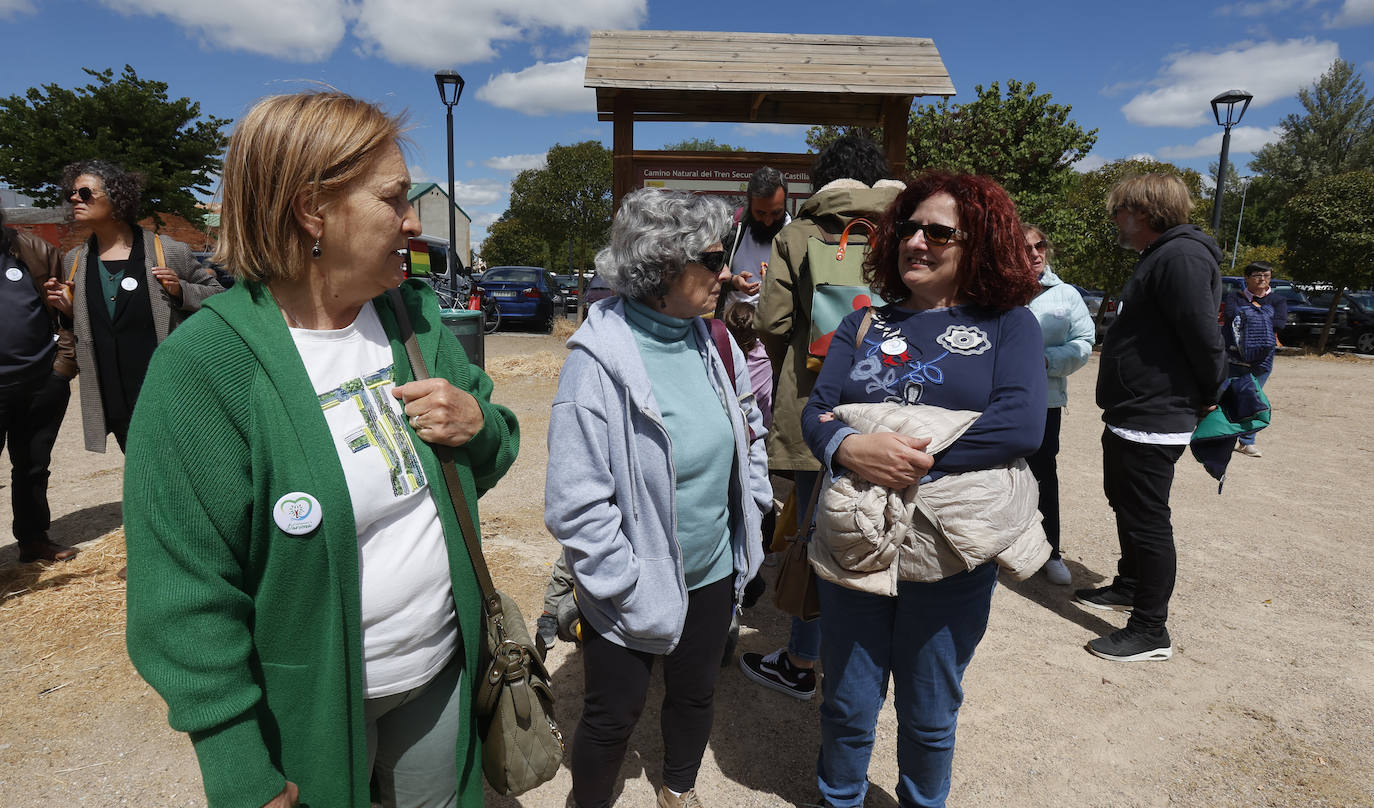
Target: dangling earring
pixel 315 251
pixel 662 301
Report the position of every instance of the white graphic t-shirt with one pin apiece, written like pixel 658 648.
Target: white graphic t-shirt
pixel 410 629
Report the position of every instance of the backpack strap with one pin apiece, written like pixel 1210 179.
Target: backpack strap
pixel 864 325
pixel 720 335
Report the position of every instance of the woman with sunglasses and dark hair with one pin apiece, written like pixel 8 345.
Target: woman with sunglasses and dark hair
pixel 950 255
pixel 124 301
pixel 657 486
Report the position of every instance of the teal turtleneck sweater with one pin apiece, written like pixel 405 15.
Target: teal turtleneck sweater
pixel 703 445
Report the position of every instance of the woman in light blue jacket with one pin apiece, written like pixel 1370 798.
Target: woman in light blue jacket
pixel 1068 331
pixel 657 480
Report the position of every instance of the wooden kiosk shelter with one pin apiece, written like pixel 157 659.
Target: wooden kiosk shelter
pixel 865 81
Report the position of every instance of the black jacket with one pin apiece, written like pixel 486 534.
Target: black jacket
pixel 1163 359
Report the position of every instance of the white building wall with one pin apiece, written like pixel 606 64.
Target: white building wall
pixel 434 222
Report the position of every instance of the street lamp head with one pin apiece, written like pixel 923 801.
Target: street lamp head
pixel 1229 99
pixel 450 84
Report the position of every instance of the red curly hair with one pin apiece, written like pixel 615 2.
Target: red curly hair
pixel 994 270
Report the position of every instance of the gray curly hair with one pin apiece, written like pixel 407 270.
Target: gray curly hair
pixel 656 233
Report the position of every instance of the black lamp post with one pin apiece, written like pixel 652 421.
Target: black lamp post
pixel 1229 100
pixel 450 90
pixel 1235 245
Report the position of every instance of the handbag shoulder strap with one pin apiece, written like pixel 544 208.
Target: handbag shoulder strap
pixel 157 249
pixel 864 325
pixel 455 488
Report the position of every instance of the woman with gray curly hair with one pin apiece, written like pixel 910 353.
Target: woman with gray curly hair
pixel 661 532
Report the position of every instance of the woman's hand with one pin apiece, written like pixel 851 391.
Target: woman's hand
pixel 59 295
pixel 169 280
pixel 287 798
pixel 439 412
pixel 886 458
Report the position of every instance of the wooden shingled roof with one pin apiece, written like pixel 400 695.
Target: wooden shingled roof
pixel 763 78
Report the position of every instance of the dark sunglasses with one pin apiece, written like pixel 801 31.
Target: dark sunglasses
pixel 936 234
pixel 712 260
pixel 1039 246
pixel 84 193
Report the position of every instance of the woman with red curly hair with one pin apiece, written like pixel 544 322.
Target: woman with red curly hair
pixel 950 258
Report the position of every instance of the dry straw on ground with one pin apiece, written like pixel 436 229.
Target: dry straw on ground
pixel 541 365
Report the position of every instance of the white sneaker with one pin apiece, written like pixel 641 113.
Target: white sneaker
pixel 1058 572
pixel 1249 450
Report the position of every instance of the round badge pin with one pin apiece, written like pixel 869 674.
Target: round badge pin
pixel 128 284
pixel 14 274
pixel 895 346
pixel 297 513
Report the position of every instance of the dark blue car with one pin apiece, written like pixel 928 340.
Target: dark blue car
pixel 524 294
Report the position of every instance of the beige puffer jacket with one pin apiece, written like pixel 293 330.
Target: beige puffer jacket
pixel 869 537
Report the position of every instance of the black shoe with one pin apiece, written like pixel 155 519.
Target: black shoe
pixel 753 591
pixel 44 549
pixel 777 672
pixel 1133 645
pixel 546 633
pixel 1105 598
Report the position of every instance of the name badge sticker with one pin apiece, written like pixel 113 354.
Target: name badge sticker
pixel 297 513
pixel 14 274
pixel 128 284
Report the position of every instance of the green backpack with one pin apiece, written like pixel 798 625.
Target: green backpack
pixel 837 287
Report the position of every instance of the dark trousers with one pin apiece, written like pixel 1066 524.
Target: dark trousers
pixel 1136 478
pixel 617 682
pixel 30 416
pixel 1045 466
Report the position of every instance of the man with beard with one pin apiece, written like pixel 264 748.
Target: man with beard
pixel 748 246
pixel 1161 369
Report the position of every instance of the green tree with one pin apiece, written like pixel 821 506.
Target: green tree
pixel 1334 135
pixel 510 243
pixel 1021 139
pixel 567 203
pixel 702 144
pixel 129 121
pixel 1331 235
pixel 1087 251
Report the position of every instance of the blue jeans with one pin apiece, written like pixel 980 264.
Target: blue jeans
pixel 924 638
pixel 805 639
pixel 1248 439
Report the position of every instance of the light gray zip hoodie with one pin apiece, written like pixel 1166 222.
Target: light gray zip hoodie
pixel 610 491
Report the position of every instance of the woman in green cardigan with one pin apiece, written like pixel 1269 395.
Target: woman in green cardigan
pixel 299 589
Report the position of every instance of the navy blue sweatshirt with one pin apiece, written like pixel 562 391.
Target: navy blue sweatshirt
pixel 960 358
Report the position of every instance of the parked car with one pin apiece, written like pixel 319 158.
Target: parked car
pixel 1359 311
pixel 568 285
pixel 524 294
pixel 597 289
pixel 1305 321
pixel 1094 299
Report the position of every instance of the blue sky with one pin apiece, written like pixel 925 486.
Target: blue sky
pixel 1142 74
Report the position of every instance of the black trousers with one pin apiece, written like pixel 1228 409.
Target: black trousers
pixel 1136 478
pixel 1045 466
pixel 30 417
pixel 617 683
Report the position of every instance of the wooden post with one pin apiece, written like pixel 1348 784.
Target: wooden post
pixel 895 114
pixel 622 149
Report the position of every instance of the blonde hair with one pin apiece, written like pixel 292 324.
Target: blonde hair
pixel 1163 198
pixel 317 142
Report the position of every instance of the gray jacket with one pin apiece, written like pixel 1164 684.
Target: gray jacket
pixel 609 496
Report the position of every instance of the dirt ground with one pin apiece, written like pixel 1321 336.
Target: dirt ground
pixel 1268 701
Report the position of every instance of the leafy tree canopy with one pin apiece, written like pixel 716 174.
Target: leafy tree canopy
pixel 1331 231
pixel 567 202
pixel 1021 139
pixel 129 121
pixel 1086 240
pixel 702 144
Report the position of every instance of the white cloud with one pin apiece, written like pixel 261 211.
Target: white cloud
pixel 544 88
pixel 1353 13
pixel 13 8
pixel 1244 140
pixel 516 162
pixel 485 220
pixel 479 193
pixel 422 33
pixel 783 129
pixel 300 30
pixel 1189 79
pixel 1142 156
pixel 1257 9
pixel 1090 163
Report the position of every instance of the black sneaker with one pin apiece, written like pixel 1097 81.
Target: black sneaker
pixel 776 672
pixel 546 633
pixel 1105 598
pixel 1133 645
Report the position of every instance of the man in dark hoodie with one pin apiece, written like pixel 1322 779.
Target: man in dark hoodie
pixel 1161 369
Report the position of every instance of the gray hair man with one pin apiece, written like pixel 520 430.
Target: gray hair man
pixel 751 241
pixel 1161 369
